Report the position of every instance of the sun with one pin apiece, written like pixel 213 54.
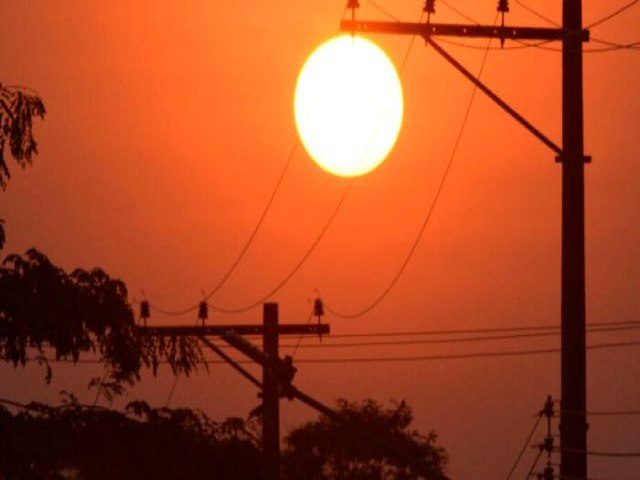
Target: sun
pixel 348 105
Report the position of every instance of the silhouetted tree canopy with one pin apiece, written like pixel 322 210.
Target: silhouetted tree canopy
pixel 75 441
pixel 18 107
pixel 85 311
pixel 329 449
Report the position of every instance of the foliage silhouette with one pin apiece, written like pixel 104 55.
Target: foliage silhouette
pixel 18 107
pixel 45 442
pixel 326 449
pixel 85 311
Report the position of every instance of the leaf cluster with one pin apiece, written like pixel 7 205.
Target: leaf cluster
pixel 18 108
pixel 84 311
pixel 45 442
pixel 368 441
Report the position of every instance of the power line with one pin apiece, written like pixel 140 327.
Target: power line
pixel 383 10
pixel 251 237
pixel 453 340
pixel 624 413
pixel 328 343
pixel 494 354
pixel 297 345
pixel 298 265
pixel 535 462
pixel 610 46
pixel 614 412
pixel 396 359
pixel 429 213
pixel 244 250
pixel 422 341
pixel 612 14
pixel 524 447
pixel 461 331
pixel 538 14
pixel 602 454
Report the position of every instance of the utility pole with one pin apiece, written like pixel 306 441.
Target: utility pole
pixel 573 425
pixel 273 369
pixel 270 394
pixel 573 419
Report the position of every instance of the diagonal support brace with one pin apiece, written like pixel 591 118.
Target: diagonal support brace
pixel 232 362
pixel 501 103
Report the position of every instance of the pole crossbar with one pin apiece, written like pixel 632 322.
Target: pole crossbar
pixel 461 30
pixel 240 329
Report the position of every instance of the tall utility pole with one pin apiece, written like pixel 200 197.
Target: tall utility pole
pixel 270 394
pixel 573 426
pixel 573 418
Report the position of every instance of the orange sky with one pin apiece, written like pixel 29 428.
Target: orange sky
pixel 168 126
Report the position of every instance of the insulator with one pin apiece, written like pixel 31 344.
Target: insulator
pixel 503 6
pixel 353 4
pixel 144 310
pixel 429 6
pixel 318 307
pixel 548 444
pixel 203 311
pixel 548 473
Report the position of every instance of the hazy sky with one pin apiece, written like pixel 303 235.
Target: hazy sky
pixel 169 124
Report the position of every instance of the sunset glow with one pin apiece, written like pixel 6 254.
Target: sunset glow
pixel 348 105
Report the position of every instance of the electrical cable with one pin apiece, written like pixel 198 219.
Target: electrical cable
pixel 622 413
pixel 600 454
pixel 295 348
pixel 328 343
pixel 538 14
pixel 464 331
pixel 428 216
pixel 382 10
pixel 290 275
pixel 524 447
pixel 295 269
pixel 246 246
pixel 460 12
pixel 461 356
pixel 450 340
pixel 304 258
pixel 175 381
pixel 611 46
pixel 613 14
pixel 535 462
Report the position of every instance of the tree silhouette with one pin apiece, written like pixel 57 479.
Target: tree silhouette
pixel 85 311
pixel 329 449
pixel 18 107
pixel 72 440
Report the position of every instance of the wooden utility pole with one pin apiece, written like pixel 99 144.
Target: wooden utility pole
pixel 573 425
pixel 573 419
pixel 270 394
pixel 272 367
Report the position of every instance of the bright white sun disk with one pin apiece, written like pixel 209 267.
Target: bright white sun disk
pixel 348 105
